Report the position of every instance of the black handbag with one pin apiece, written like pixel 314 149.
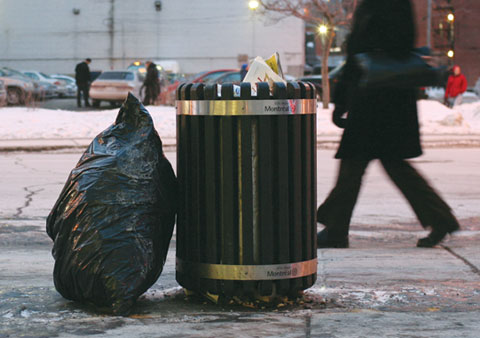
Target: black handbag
pixel 379 69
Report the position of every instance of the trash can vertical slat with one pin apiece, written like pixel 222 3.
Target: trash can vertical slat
pixel 296 242
pixel 306 193
pixel 212 189
pixel 282 223
pixel 313 200
pixel 246 200
pixel 182 219
pixel 228 189
pixel 266 196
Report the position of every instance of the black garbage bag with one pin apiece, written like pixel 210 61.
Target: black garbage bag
pixel 114 219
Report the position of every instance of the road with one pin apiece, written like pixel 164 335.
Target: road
pixel 70 104
pixel 383 286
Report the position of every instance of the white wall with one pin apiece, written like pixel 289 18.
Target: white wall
pixel 200 34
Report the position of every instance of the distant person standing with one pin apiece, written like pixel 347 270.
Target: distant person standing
pixel 151 84
pixel 82 77
pixel 243 71
pixel 456 86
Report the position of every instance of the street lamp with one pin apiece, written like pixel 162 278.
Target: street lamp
pixel 253 4
pixel 323 29
pixel 451 54
pixel 450 17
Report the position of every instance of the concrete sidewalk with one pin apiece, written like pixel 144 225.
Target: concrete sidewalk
pixel 381 287
pixel 323 141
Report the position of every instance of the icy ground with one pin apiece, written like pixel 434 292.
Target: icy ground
pixel 30 123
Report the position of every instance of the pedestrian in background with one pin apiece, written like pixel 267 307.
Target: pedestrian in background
pixel 151 84
pixel 243 71
pixel 82 78
pixel 381 123
pixel 456 86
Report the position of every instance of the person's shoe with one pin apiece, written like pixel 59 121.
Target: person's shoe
pixel 435 237
pixel 326 241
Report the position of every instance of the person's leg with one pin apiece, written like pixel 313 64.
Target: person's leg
pixel 86 95
pixel 458 100
pixel 430 209
pixel 79 96
pixel 335 213
pixel 450 102
pixel 146 99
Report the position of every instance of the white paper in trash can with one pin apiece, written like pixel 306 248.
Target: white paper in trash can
pixel 259 71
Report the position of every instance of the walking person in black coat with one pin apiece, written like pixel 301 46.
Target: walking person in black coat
pixel 82 77
pixel 151 84
pixel 380 123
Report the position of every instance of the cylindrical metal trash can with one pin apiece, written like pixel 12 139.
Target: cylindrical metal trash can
pixel 246 166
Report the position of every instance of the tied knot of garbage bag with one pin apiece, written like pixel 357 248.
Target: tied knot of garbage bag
pixel 133 114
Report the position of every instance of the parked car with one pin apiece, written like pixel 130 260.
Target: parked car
pixel 20 88
pixel 232 77
pixel 71 84
pixel 210 76
pixel 114 86
pixel 202 77
pixel 140 68
pixel 44 90
pixel 168 70
pixel 61 86
pixel 316 80
pixel 94 74
pixel 3 94
pixel 476 89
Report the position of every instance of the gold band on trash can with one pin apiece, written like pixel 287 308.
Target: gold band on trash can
pixel 248 272
pixel 247 107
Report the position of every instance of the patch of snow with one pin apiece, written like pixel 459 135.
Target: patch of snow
pixel 8 315
pixel 28 123
pixel 435 92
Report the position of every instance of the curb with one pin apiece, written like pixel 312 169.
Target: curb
pixel 169 144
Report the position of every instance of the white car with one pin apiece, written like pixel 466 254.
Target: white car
pixel 39 76
pixel 71 84
pixel 20 88
pixel 3 94
pixel 113 86
pixel 476 89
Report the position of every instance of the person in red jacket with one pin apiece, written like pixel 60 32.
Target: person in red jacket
pixel 456 86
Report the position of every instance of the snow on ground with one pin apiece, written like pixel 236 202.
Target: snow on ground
pixel 29 123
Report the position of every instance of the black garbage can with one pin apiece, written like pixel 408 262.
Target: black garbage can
pixel 247 172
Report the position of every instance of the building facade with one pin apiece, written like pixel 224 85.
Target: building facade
pixel 53 35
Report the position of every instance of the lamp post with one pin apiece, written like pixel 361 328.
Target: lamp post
pixel 451 36
pixel 253 6
pixel 325 30
pixel 429 24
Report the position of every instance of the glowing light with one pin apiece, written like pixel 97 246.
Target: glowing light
pixel 323 29
pixel 253 4
pixel 450 53
pixel 450 17
pixel 136 63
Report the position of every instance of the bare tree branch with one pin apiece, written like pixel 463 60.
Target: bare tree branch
pixel 332 13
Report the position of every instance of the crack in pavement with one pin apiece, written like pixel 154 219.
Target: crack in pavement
pixel 19 162
pixel 463 259
pixel 28 200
